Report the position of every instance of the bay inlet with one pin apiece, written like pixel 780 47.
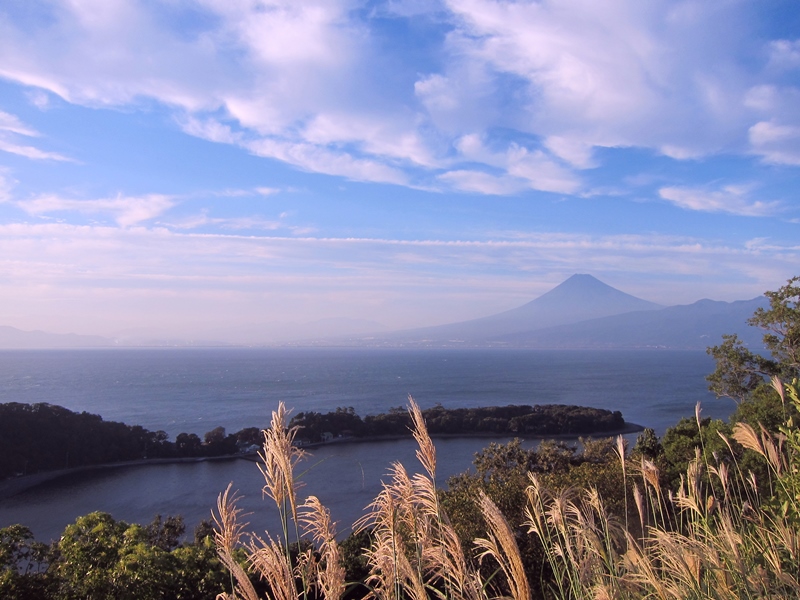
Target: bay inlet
pixel 196 390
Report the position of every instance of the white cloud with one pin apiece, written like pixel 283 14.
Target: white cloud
pixel 785 54
pixel 11 123
pixel 10 128
pixel 541 172
pixel 29 151
pixel 267 191
pixel 209 129
pixel 730 199
pixel 228 223
pixel 482 183
pixel 38 98
pixel 6 185
pixel 525 169
pixel 314 83
pixel 615 73
pixel 777 143
pixel 575 152
pixel 320 159
pixel 126 211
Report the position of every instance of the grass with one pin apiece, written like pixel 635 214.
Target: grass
pixel 716 537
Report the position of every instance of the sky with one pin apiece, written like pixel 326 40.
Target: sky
pixel 230 169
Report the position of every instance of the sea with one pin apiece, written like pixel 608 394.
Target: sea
pixel 195 390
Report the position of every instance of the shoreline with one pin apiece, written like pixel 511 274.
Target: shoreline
pixel 16 485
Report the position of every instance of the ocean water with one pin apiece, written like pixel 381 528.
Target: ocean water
pixel 195 390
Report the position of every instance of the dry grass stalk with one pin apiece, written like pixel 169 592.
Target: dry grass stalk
pixel 316 520
pixel 279 457
pixel 268 559
pixel 227 537
pixel 502 547
pixel 426 453
pixel 415 550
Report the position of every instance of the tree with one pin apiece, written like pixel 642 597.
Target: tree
pixel 681 442
pixel 739 371
pixel 648 445
pixel 188 444
pixel 782 322
pixel 215 436
pixel 23 565
pixel 101 558
pixel 165 533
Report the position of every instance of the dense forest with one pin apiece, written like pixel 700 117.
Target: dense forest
pixel 710 510
pixel 44 437
pixel 548 419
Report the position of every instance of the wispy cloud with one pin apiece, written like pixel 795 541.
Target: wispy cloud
pixel 777 143
pixel 125 210
pixel 11 128
pixel 251 223
pixel 736 200
pixel 6 185
pixel 12 124
pixel 161 276
pixel 482 183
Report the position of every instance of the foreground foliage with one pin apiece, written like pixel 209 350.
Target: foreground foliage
pixel 101 558
pixel 717 536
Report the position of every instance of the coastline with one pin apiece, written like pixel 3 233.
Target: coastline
pixel 16 485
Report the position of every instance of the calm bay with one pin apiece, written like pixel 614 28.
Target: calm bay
pixel 195 390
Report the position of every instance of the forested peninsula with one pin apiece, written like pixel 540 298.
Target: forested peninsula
pixel 36 438
pixel 512 420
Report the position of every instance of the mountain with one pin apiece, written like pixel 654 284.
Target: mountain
pixel 687 327
pixel 10 337
pixel 579 298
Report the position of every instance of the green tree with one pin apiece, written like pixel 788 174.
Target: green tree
pixel 740 372
pixel 23 565
pixel 682 441
pixel 103 559
pixel 782 323
pixel 90 550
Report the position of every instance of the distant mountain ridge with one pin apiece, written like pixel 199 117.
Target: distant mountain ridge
pixel 585 313
pixel 580 313
pixel 13 338
pixel 580 298
pixel 686 327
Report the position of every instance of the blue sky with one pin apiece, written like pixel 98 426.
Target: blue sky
pixel 231 168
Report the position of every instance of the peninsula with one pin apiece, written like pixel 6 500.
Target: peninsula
pixel 43 438
pixel 513 420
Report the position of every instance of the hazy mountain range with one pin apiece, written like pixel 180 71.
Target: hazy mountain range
pixel 582 312
pixel 10 337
